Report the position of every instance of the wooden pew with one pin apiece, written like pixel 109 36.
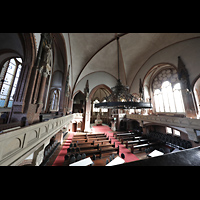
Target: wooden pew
pixel 108 150
pixel 90 139
pixel 94 142
pixel 100 151
pixel 122 134
pixel 96 146
pixel 129 143
pixel 96 149
pixel 88 136
pixel 92 134
pixel 129 138
pixel 140 146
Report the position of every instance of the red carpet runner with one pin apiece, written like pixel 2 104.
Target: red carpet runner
pixel 61 156
pixel 105 129
pixel 129 157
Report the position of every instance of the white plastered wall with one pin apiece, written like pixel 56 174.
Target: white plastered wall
pixel 96 79
pixel 189 51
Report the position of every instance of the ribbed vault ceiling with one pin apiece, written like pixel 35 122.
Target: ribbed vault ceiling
pixel 94 52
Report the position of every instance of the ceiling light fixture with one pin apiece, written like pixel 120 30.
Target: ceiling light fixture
pixel 120 98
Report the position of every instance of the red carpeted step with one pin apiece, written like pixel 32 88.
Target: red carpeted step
pixel 61 156
pixel 129 157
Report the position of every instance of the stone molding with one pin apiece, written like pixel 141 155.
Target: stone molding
pixel 167 120
pixel 17 144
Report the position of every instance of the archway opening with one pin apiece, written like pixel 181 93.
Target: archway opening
pixel 78 103
pixel 99 97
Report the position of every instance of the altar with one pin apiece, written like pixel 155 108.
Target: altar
pixel 98 121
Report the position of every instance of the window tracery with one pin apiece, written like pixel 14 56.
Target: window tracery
pixel 94 108
pixel 9 78
pixel 55 100
pixel 167 92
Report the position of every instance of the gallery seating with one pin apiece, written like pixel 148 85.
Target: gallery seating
pixel 170 140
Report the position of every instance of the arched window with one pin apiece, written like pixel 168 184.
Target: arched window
pixel 158 99
pixel 9 78
pixel 95 109
pixel 55 100
pixel 104 109
pixel 178 98
pixel 168 97
pixel 167 92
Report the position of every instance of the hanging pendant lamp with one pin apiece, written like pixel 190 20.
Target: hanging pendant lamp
pixel 120 98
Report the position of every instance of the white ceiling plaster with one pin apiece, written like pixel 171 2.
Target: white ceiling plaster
pixel 93 52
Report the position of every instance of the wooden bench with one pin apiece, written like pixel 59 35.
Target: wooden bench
pixel 129 138
pixel 96 146
pixel 100 151
pixel 122 134
pixel 132 138
pixel 90 139
pixel 129 143
pixel 140 146
pixel 93 142
pixel 91 134
pixel 94 149
pixel 108 150
pixel 88 136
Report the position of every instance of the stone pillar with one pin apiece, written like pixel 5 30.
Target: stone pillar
pixel 59 137
pixel 186 90
pixel 87 116
pixel 37 85
pixel 39 155
pixel 42 87
pixel 188 101
pixel 192 134
pixel 117 120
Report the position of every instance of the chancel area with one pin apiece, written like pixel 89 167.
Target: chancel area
pixel 99 99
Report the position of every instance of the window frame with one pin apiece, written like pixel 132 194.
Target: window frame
pixel 95 110
pixel 160 87
pixel 55 98
pixel 11 87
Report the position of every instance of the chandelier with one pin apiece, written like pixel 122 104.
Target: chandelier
pixel 120 98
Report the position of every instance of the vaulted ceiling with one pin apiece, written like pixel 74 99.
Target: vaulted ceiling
pixel 97 52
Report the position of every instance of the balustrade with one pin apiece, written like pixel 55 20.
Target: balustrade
pixel 16 145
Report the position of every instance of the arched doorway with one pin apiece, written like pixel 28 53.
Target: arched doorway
pixel 78 103
pixel 99 96
pixel 89 104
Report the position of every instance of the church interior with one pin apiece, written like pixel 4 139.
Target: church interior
pixel 99 99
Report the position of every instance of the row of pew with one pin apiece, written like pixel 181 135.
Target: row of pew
pixel 135 140
pixel 95 146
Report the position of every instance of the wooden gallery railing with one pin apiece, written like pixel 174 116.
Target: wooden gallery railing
pixel 16 145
